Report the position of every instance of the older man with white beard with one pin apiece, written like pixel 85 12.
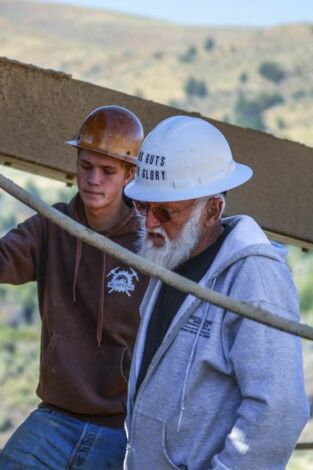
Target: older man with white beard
pixel 158 247
pixel 209 390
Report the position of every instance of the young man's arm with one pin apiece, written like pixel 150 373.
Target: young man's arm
pixel 20 251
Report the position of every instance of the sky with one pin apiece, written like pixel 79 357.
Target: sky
pixel 210 12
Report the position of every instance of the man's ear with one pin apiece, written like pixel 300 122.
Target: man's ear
pixel 129 174
pixel 213 211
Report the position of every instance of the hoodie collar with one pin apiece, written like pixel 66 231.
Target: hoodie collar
pixel 246 238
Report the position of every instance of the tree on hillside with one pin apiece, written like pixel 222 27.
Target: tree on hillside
pixel 8 220
pixel 248 112
pixel 158 55
pixel 243 78
pixel 32 188
pixel 189 55
pixel 209 44
pixel 195 87
pixel 298 94
pixel 280 122
pixel 272 71
pixel 27 297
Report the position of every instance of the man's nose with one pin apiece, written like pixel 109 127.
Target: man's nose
pixel 94 177
pixel 151 220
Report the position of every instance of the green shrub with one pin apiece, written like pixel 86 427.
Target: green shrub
pixel 32 188
pixel 173 103
pixel 195 87
pixel 248 112
pixel 209 44
pixel 66 194
pixel 189 55
pixel 272 71
pixel 7 222
pixel 158 55
pixel 298 95
pixel 281 124
pixel 5 423
pixel 266 101
pixel 243 78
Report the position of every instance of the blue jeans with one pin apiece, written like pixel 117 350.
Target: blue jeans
pixel 48 439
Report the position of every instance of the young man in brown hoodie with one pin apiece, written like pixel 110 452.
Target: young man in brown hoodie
pixel 89 306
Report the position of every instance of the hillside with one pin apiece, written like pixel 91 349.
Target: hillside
pixel 215 71
pixel 255 77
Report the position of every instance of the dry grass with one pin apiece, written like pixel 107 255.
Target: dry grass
pixel 143 57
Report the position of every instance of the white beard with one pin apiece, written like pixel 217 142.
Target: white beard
pixel 174 252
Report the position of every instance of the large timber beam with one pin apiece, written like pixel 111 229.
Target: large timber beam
pixel 41 109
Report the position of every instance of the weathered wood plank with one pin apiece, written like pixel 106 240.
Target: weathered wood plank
pixel 41 109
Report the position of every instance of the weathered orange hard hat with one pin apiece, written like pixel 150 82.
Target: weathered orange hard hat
pixel 111 130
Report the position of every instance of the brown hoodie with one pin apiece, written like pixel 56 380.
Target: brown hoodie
pixel 89 306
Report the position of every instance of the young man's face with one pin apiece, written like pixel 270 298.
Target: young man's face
pixel 100 179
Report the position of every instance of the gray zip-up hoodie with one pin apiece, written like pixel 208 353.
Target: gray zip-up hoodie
pixel 222 392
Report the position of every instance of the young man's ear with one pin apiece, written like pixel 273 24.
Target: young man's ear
pixel 129 172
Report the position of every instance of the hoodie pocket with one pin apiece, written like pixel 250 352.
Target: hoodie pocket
pixel 80 377
pixel 148 448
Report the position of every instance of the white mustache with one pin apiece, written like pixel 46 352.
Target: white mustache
pixel 157 231
pixel 173 252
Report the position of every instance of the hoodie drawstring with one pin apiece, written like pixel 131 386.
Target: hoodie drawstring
pixel 77 262
pixel 101 300
pixel 191 357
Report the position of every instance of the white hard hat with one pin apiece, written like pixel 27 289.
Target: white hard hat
pixel 182 158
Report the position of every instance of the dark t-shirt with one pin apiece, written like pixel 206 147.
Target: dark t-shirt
pixel 170 299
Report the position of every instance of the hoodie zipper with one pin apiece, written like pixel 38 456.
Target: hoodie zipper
pixel 155 360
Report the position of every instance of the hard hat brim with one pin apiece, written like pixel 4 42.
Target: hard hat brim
pixel 124 158
pixel 150 193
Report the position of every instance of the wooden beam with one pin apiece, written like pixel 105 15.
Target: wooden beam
pixel 41 109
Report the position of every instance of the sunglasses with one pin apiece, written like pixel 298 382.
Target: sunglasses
pixel 160 213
